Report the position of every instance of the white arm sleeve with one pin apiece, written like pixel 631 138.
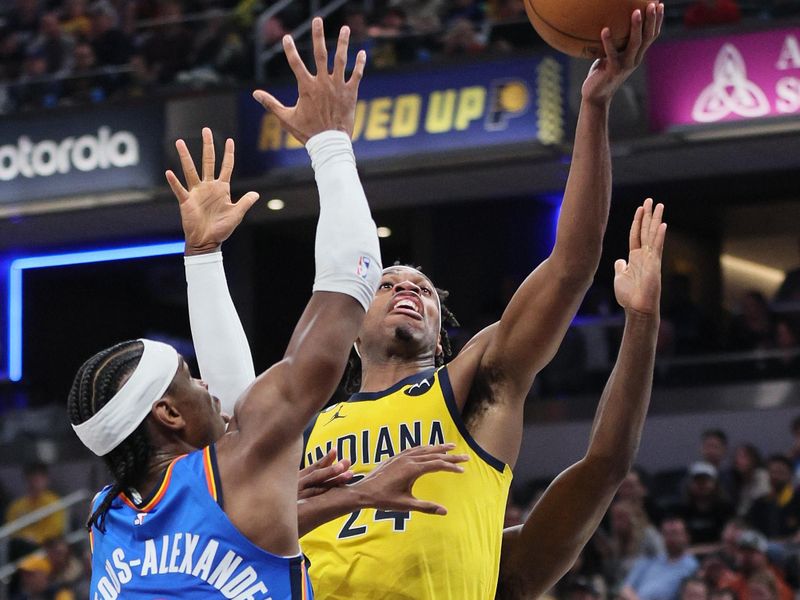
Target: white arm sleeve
pixel 223 353
pixel 347 253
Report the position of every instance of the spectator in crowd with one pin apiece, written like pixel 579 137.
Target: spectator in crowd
pixel 461 38
pixel 35 582
pixel 111 46
pixel 778 513
pixel 754 327
pixel 33 90
pixel 730 541
pixel 705 509
pixel 790 288
pixel 166 49
pixel 53 43
pixel 584 579
pixel 750 479
pixel 394 41
pixel 714 451
pixel 631 537
pixel 38 495
pixel 66 570
pixel 694 588
pixel 707 13
pixel 753 564
pixel 85 85
pixel 12 54
pixel 660 578
pixel 218 53
pixel 717 575
pixel 423 15
pixel 75 20
pixel 469 10
pixel 634 489
pixel 356 20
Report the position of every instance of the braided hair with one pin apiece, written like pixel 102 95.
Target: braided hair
pixel 352 375
pixel 96 382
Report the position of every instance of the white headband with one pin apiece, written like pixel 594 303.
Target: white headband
pixel 109 426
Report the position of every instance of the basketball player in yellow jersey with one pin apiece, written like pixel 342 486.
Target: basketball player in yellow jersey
pixel 535 555
pixel 476 401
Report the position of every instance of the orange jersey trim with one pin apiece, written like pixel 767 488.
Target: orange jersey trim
pixel 162 489
pixel 209 470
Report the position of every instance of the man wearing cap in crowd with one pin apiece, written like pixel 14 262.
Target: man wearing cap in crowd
pixel 660 578
pixel 705 507
pixel 752 563
pixel 778 513
pixel 36 584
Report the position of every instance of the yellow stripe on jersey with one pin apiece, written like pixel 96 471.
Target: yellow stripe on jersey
pixel 373 554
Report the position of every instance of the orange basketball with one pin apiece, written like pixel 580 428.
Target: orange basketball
pixel 574 26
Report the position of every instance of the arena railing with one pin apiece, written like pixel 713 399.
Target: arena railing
pixel 7 531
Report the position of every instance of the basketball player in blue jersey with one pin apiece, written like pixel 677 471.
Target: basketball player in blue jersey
pixel 406 394
pixel 205 506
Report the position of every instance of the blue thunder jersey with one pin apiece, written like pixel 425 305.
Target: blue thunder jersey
pixel 179 543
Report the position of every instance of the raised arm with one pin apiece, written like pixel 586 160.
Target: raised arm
pixel 280 403
pixel 537 317
pixel 538 553
pixel 208 218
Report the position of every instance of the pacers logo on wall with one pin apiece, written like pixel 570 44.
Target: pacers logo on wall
pixel 508 99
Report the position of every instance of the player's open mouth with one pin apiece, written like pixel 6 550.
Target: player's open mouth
pixel 408 305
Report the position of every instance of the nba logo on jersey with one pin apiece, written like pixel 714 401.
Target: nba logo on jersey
pixel 363 267
pixel 139 520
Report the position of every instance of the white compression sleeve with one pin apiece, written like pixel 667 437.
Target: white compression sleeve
pixel 223 353
pixel 347 253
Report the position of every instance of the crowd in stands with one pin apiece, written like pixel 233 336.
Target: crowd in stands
pixel 66 52
pixel 727 527
pixel 719 529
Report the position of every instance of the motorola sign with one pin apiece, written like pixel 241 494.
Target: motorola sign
pixel 80 153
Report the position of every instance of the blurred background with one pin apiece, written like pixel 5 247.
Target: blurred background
pixel 463 137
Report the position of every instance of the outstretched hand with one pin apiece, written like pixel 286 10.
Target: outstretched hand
pixel 323 475
pixel 637 281
pixel 325 100
pixel 609 73
pixel 208 215
pixel 388 486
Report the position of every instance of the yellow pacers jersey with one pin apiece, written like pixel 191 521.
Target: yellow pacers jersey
pixel 373 554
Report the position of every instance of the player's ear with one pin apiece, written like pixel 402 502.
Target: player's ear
pixel 439 349
pixel 166 413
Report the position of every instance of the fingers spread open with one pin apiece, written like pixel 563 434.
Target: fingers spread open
pixel 340 60
pixel 270 102
pixel 358 69
pixel 177 188
pixel 320 51
pixel 187 164
pixel 246 202
pixel 226 170
pixel 294 60
pixel 635 241
pixel 209 160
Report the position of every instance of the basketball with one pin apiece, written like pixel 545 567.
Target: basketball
pixel 573 26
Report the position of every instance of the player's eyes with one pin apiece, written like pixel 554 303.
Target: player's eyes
pixel 385 285
pixel 426 291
